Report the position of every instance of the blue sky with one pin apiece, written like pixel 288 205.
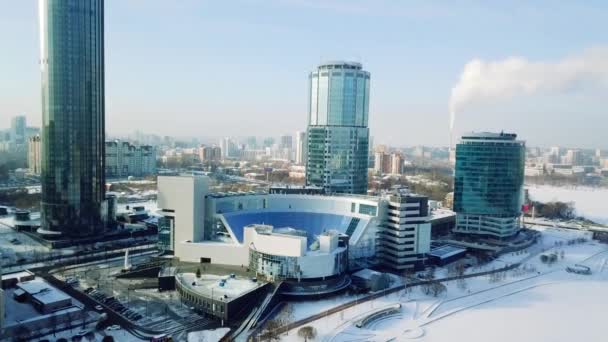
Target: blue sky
pixel 214 68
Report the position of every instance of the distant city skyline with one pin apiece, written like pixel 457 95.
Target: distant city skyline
pixel 219 69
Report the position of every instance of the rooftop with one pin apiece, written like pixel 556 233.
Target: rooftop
pixel 366 273
pixel 43 291
pixel 209 285
pixel 340 65
pixel 14 275
pixel 490 135
pixel 447 251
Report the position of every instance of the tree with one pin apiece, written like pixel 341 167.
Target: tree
pixel 436 288
pixel 271 330
pixel 461 283
pixel 307 333
pixel 107 338
pixel 198 272
pixel 22 333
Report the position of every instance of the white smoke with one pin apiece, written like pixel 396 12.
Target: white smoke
pixel 496 80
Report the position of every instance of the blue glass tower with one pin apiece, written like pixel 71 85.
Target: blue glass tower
pixel 488 184
pixel 338 136
pixel 72 63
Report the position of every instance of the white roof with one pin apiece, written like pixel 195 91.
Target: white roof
pixel 366 273
pixel 42 291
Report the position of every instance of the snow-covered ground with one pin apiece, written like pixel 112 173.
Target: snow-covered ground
pixel 207 335
pixel 536 302
pixel 150 206
pixel 592 203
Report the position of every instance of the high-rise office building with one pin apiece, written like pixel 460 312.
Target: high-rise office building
pixel 73 106
pixel 301 148
pixel 488 184
pixel 338 135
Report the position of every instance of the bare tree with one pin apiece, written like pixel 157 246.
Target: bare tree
pixel 53 322
pixel 271 330
pixel 461 283
pixel 22 333
pixel 307 333
pixel 436 288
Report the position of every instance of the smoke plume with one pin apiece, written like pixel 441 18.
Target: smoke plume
pixel 495 80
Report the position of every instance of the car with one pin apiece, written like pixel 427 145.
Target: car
pixel 98 307
pixel 113 327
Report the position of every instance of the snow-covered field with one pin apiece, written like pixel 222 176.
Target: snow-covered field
pixel 592 203
pixel 536 302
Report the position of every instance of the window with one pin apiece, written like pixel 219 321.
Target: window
pixel 367 209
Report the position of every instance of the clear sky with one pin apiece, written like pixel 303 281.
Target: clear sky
pixel 221 68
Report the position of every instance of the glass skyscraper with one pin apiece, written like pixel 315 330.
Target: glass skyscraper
pixel 72 63
pixel 488 184
pixel 338 136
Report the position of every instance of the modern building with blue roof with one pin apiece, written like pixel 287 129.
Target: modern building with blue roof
pixel 392 230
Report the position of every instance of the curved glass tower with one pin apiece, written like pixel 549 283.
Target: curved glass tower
pixel 338 136
pixel 72 63
pixel 488 184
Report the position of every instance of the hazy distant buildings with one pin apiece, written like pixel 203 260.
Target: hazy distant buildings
pixel 210 153
pixel 33 155
pixel 573 157
pixel 488 184
pixel 387 162
pixel 18 130
pixel 286 147
pixel 123 159
pixel 286 141
pixel 229 148
pixel 301 148
pixel 14 139
pixel 554 155
pixel 382 162
pixel 73 106
pixel 338 133
pixel 396 164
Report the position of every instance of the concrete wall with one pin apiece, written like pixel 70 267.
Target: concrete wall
pixel 336 204
pixel 279 244
pixel 423 237
pixel 185 196
pixel 322 265
pixel 219 253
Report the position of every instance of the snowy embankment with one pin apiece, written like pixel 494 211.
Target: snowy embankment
pixel 591 203
pixel 536 302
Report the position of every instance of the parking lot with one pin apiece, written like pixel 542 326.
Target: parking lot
pixel 137 300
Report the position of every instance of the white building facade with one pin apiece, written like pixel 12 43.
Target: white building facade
pixel 123 159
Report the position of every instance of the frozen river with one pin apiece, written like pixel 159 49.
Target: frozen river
pixel 592 203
